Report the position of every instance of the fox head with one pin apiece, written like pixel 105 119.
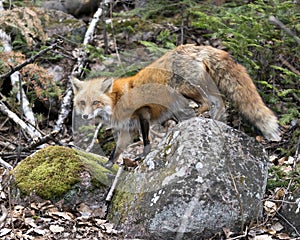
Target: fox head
pixel 90 99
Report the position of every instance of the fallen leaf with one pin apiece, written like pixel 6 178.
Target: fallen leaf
pixel 129 163
pixel 277 227
pixel 4 231
pixel 259 138
pixel 65 215
pixel 279 193
pixel 263 237
pixel 109 228
pixel 18 211
pixel 282 236
pixel 99 222
pixel 291 160
pixel 227 232
pixel 270 207
pixel 281 161
pixel 30 222
pixel 40 231
pixel 56 229
pixel 84 210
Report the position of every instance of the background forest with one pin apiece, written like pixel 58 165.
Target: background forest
pixel 261 35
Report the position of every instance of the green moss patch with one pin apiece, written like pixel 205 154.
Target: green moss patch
pixel 52 171
pixel 99 174
pixel 49 172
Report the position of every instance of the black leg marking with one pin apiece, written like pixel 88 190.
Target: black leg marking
pixel 145 127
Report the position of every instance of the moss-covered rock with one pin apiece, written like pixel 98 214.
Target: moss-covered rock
pixel 58 172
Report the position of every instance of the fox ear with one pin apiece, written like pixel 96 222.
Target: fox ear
pixel 76 84
pixel 106 84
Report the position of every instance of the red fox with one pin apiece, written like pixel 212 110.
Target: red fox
pixel 164 89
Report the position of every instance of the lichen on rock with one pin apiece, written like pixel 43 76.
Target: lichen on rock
pixel 202 177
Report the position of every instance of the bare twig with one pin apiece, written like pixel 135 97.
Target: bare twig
pixel 41 141
pixel 4 109
pixel 115 41
pixel 89 148
pixel 4 215
pixel 1 6
pixel 5 164
pixel 30 60
pixel 114 184
pixel 240 236
pixel 286 63
pixel 277 22
pixel 288 222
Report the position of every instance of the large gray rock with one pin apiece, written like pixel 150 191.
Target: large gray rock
pixel 204 176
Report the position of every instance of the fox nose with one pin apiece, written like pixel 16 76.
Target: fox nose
pixel 85 116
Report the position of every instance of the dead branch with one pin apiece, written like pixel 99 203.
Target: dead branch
pixel 26 109
pixel 276 21
pixel 114 185
pixel 89 37
pixel 4 214
pixel 31 59
pixel 15 80
pixel 6 165
pixel 89 148
pixel 65 109
pixel 41 141
pixel 5 41
pixel 286 63
pixel 4 109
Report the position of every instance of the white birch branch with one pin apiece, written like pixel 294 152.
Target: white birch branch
pixel 89 36
pixel 114 184
pixel 89 148
pixel 5 41
pixel 4 109
pixel 5 164
pixel 21 96
pixel 66 103
pixel 1 5
pixel 64 109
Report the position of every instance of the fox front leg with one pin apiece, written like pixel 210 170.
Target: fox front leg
pixel 124 139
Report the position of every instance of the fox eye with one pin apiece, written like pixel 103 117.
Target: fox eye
pixel 96 102
pixel 82 102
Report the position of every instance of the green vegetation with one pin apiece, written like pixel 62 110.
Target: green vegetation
pixel 283 176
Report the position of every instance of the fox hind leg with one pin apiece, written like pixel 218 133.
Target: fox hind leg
pixel 208 96
pixel 144 119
